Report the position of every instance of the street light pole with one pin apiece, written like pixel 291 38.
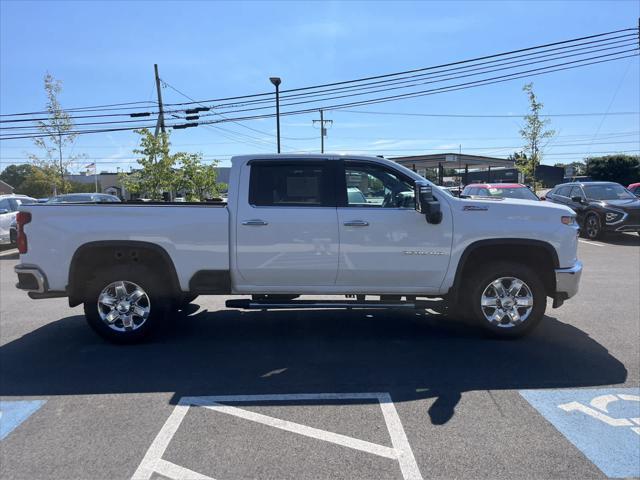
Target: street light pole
pixel 276 82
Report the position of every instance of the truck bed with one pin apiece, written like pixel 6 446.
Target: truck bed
pixel 195 235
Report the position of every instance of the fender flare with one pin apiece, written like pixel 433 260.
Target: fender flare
pixel 75 297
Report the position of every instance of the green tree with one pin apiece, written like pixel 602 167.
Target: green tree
pixel 624 169
pixel 156 174
pixel 38 182
pixel 14 175
pixel 535 135
pixel 57 136
pixel 197 179
pixel 161 172
pixel 522 164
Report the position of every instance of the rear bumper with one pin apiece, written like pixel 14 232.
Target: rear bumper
pixel 567 283
pixel 31 279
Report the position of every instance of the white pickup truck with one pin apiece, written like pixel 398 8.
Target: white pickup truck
pixel 304 225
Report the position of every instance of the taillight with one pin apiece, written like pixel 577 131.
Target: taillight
pixel 22 218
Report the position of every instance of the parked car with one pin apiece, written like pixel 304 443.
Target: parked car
pixel 600 207
pixel 635 189
pixel 499 190
pixel 290 228
pixel 9 205
pixel 84 198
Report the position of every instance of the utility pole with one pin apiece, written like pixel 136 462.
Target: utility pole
pixel 61 164
pixel 323 129
pixel 160 123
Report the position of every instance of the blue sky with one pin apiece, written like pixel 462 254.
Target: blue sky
pixel 104 53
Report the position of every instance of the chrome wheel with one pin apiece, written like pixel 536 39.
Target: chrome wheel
pixel 123 306
pixel 592 226
pixel 507 302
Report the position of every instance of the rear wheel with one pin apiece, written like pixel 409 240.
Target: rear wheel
pixel 125 304
pixel 508 299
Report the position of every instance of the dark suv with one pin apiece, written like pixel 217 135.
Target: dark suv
pixel 600 206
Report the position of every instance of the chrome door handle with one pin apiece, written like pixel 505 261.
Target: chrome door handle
pixel 255 222
pixel 356 223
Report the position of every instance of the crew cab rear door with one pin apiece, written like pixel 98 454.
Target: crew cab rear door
pixel 385 244
pixel 287 229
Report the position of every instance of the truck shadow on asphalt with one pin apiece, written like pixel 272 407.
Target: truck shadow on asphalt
pixel 411 356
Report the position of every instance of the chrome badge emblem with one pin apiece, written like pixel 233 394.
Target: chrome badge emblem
pixel 421 252
pixel 474 208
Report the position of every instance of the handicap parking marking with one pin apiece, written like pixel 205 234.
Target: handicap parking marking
pixel 13 413
pixel 399 451
pixel 604 424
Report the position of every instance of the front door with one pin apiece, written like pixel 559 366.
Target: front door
pixel 287 231
pixel 385 244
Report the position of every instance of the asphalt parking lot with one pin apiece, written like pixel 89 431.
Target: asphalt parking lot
pixel 327 394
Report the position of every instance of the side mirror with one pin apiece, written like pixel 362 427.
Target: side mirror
pixel 576 199
pixel 3 211
pixel 426 202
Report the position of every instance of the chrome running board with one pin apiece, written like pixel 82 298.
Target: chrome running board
pixel 247 304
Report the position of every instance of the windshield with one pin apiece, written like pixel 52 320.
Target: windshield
pixel 522 193
pixel 608 191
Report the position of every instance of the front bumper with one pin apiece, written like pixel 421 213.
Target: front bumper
pixel 567 283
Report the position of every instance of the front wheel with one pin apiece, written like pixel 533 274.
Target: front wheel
pixel 508 299
pixel 125 305
pixel 592 227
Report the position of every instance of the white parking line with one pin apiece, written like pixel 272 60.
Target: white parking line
pixel 591 243
pixel 400 450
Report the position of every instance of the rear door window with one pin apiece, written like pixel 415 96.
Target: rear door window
pixel 291 184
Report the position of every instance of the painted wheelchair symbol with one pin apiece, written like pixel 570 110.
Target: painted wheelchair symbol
pixel 600 410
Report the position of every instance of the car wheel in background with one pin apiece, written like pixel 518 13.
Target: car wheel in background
pixel 592 227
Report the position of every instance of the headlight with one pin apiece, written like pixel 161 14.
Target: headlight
pixel 613 216
pixel 568 220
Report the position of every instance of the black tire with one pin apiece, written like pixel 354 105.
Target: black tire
pixel 592 228
pixel 159 297
pixel 488 273
pixel 13 237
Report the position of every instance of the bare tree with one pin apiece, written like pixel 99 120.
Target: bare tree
pixel 57 136
pixel 534 133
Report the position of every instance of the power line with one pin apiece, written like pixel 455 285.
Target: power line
pixel 565 46
pixel 481 82
pixel 467 115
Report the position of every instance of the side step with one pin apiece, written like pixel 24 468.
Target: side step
pixel 248 304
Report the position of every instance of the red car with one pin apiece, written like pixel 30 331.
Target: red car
pixel 499 190
pixel 635 189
